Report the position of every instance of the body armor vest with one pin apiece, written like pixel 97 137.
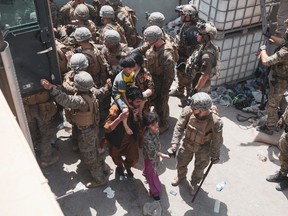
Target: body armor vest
pixel 155 61
pixel 84 119
pixel 200 132
pixel 194 62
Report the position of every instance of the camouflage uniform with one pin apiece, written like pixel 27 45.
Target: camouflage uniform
pixel 98 66
pixel 161 65
pixel 113 26
pixel 207 61
pixel 67 12
pixel 84 114
pixel 81 14
pixel 61 49
pixel 281 176
pixel 203 138
pixel 126 17
pixel 187 43
pixel 283 145
pixel 186 46
pixel 40 109
pixel 97 5
pixel 113 57
pixel 278 83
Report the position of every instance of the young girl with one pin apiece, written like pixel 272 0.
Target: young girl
pixel 152 154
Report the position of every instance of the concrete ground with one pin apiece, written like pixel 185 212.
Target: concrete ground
pixel 246 192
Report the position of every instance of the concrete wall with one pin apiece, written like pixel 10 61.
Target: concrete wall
pixel 141 6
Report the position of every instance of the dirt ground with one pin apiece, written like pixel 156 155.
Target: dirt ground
pixel 245 192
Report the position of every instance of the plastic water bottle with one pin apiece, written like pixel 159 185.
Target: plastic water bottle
pixel 220 186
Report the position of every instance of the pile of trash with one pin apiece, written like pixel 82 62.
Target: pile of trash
pixel 244 96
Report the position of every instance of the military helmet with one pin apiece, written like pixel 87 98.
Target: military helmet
pixel 107 11
pixel 83 81
pixel 112 37
pixel 114 2
pixel 188 10
pixel 201 101
pixel 78 62
pixel 156 18
pixel 153 33
pixel 81 12
pixel 207 28
pixel 82 34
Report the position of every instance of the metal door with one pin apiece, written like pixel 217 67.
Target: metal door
pixel 28 30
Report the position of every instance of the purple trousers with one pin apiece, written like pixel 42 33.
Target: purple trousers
pixel 152 178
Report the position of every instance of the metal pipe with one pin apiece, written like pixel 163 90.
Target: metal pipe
pixel 14 88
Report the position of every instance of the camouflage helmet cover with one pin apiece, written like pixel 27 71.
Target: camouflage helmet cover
pixel 112 37
pixel 156 18
pixel 83 81
pixel 78 62
pixel 207 28
pixel 82 34
pixel 201 101
pixel 81 12
pixel 189 10
pixel 153 33
pixel 107 11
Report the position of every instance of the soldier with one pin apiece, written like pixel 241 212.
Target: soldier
pixel 158 19
pixel 84 111
pixel 67 33
pixel 107 15
pixel 203 64
pixel 113 51
pixel 203 138
pixel 120 143
pixel 97 5
pixel 281 176
pixel 126 17
pixel 67 11
pixel 161 64
pixel 40 110
pixel 278 82
pixel 187 43
pixel 98 66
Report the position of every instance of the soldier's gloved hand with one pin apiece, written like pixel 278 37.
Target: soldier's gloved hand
pixel 267 33
pixel 263 47
pixel 172 150
pixel 215 160
pixel 280 123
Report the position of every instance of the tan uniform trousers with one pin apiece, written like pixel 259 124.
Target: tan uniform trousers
pixel 185 155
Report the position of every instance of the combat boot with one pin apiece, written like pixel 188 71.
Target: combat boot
pixel 193 188
pixel 282 185
pixel 176 181
pixel 277 177
pixel 176 93
pixel 48 162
